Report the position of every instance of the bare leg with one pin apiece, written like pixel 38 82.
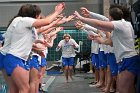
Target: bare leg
pixel 113 84
pixel 66 73
pixel 105 75
pixel 71 70
pixel 12 86
pixel 102 77
pixel 126 82
pixel 34 79
pixel 42 72
pixel 21 78
pixel 109 80
pixel 97 75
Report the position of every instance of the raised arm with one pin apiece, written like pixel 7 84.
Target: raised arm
pixel 90 14
pixel 42 22
pixel 50 42
pixel 45 28
pixel 103 25
pixel 107 40
pixel 53 32
pixel 65 20
pixel 86 28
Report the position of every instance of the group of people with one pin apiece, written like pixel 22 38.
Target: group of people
pixel 23 54
pixel 113 53
pixel 29 34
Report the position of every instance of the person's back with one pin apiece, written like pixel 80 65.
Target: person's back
pixel 21 38
pixel 123 41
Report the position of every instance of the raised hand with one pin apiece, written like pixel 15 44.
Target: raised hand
pixel 78 16
pixel 85 12
pixel 99 39
pixel 79 24
pixel 70 18
pixel 54 23
pixel 60 7
pixel 64 20
pixel 91 37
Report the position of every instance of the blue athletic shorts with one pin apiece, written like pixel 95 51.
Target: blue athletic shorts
pixel 11 62
pixel 102 59
pixel 131 64
pixel 1 61
pixel 95 60
pixel 43 62
pixel 33 62
pixel 111 59
pixel 68 61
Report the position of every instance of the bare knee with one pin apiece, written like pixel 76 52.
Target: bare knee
pixel 66 68
pixel 27 87
pixel 125 82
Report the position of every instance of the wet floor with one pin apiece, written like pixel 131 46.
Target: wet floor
pixel 57 84
pixel 78 85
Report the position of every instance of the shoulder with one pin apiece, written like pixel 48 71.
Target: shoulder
pixel 119 24
pixel 72 40
pixel 28 19
pixel 62 41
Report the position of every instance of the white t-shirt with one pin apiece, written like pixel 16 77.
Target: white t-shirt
pixel 110 49
pixel 103 47
pixel 67 48
pixel 7 41
pixel 22 37
pixel 123 41
pixel 94 47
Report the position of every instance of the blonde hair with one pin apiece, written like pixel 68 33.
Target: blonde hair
pixel 66 35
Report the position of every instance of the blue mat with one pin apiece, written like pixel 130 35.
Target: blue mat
pixel 54 72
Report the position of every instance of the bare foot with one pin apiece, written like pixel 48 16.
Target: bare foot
pixel 112 90
pixel 106 90
pixel 72 78
pixel 66 81
pixel 100 85
pixel 103 88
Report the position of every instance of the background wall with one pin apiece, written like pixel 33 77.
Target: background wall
pixel 9 8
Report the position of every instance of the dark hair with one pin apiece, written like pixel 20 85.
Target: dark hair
pixel 37 10
pixel 116 13
pixel 126 13
pixel 28 10
pixel 125 10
